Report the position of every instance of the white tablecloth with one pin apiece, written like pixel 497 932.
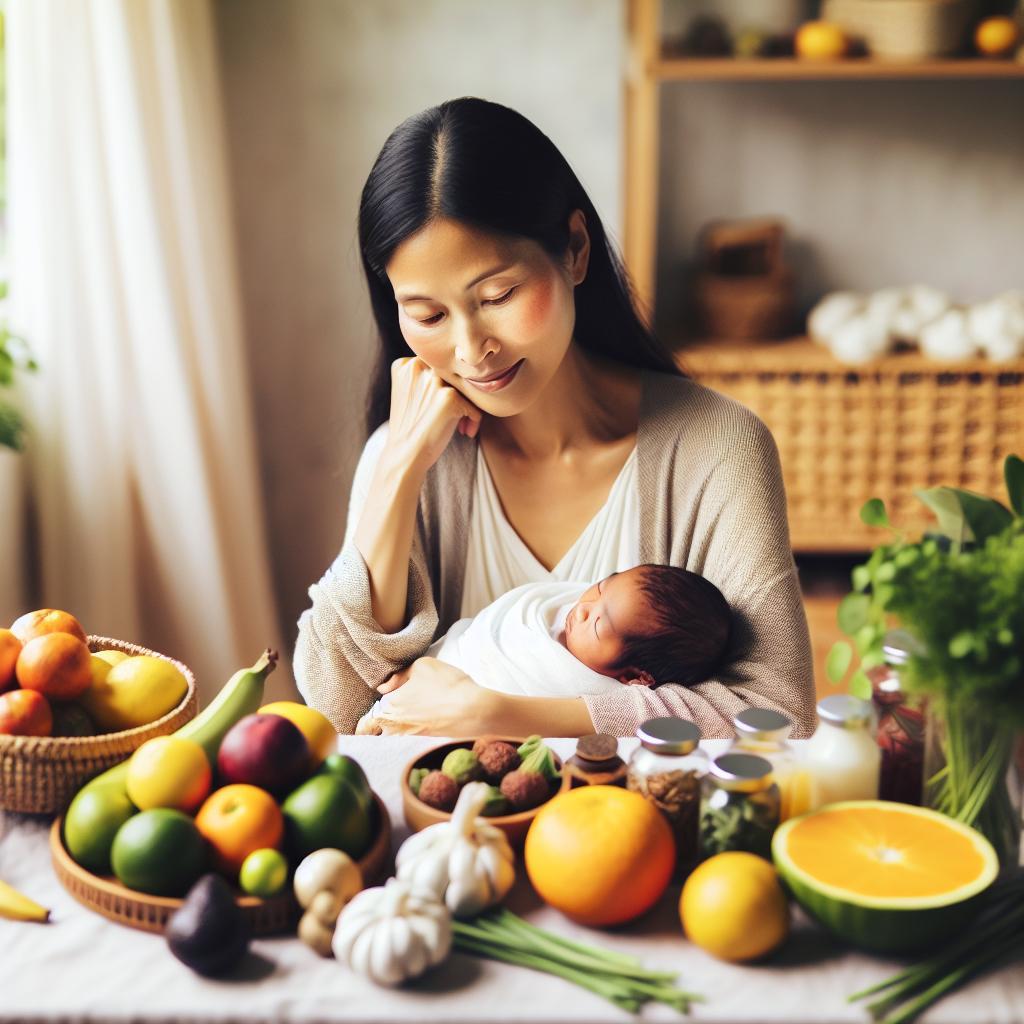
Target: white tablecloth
pixel 81 967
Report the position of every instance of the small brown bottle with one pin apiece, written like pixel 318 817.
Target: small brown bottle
pixel 596 762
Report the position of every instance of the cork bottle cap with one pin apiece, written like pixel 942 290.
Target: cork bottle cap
pixel 597 747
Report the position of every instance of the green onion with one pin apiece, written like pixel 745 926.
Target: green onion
pixel 501 935
pixel 998 933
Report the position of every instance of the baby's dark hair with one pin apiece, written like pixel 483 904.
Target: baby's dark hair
pixel 690 627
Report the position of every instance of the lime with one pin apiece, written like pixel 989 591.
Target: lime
pixel 92 821
pixel 159 851
pixel 326 810
pixel 264 873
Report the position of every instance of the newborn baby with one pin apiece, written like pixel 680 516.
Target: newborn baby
pixel 648 625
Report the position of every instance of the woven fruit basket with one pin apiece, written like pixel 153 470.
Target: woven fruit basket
pixel 849 433
pixel 116 902
pixel 40 774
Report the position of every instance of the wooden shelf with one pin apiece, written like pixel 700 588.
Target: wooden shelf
pixel 734 69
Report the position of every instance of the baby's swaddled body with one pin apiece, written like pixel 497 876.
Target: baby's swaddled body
pixel 516 645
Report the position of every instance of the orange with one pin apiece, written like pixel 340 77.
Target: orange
pixel 997 37
pixel 47 620
pixel 25 713
pixel 820 40
pixel 237 820
pixel 733 907
pixel 169 771
pixel 57 665
pixel 10 648
pixel 600 854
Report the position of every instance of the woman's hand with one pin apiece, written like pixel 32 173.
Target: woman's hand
pixel 425 412
pixel 433 698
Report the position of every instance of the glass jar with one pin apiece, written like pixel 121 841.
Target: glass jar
pixel 596 762
pixel 842 756
pixel 901 723
pixel 765 732
pixel 667 769
pixel 739 808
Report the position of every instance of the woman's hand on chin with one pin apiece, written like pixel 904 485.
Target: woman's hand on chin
pixel 432 698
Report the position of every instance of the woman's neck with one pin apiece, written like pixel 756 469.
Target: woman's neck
pixel 589 401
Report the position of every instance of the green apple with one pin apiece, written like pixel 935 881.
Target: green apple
pixel 263 873
pixel 92 821
pixel 326 810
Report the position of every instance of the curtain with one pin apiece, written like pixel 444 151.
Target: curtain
pixel 141 456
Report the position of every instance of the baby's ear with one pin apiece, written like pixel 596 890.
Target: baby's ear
pixel 637 677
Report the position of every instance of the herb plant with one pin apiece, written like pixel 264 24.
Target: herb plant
pixel 14 356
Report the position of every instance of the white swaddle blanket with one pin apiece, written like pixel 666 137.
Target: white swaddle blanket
pixel 513 646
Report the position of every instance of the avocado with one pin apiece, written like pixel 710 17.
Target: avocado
pixel 208 933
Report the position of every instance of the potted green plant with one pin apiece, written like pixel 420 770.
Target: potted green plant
pixel 959 590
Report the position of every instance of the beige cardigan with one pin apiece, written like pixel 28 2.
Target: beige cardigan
pixel 711 500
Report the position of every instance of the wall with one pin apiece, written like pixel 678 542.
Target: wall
pixel 879 183
pixel 312 89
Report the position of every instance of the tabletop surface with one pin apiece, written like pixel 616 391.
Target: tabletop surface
pixel 82 967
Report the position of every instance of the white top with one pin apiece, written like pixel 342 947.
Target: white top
pixel 498 561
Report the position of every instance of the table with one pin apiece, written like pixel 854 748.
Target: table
pixel 81 967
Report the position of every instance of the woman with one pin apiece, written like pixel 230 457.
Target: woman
pixel 537 431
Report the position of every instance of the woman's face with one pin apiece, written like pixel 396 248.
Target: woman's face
pixel 597 627
pixel 473 305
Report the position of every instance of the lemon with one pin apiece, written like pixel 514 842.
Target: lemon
pixel 733 907
pixel 168 771
pixel 996 37
pixel 134 692
pixel 820 40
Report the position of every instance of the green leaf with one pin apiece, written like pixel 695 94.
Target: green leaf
pixel 838 661
pixel 944 503
pixel 854 612
pixel 985 516
pixel 1013 470
pixel 866 637
pixel 860 685
pixel 873 513
pixel 861 577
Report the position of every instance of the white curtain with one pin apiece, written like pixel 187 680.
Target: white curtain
pixel 142 457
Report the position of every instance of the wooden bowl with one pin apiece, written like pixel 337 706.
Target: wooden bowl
pixel 419 815
pixel 107 896
pixel 40 774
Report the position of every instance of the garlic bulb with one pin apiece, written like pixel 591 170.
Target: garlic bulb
pixel 948 338
pixel 831 312
pixel 391 933
pixel 997 326
pixel 859 340
pixel 921 306
pixel 466 862
pixel 329 870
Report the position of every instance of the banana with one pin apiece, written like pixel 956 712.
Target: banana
pixel 18 907
pixel 241 695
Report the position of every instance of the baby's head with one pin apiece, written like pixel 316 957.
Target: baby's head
pixel 652 624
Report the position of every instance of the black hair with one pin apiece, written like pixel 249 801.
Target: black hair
pixel 690 627
pixel 488 167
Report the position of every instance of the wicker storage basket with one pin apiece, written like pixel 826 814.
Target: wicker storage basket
pixel 40 774
pixel 904 30
pixel 846 433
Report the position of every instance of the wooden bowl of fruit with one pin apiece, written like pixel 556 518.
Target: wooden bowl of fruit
pixel 59 723
pixel 524 775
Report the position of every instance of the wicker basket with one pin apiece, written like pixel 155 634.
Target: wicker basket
pixel 40 774
pixel 904 30
pixel 118 903
pixel 846 434
pixel 743 290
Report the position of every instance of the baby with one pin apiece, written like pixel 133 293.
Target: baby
pixel 646 626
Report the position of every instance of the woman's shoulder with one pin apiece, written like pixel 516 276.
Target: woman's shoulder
pixel 680 413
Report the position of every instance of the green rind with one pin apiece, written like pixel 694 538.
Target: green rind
pixel 885 926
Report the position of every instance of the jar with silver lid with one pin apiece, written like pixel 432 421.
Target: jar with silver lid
pixel 765 732
pixel 667 768
pixel 739 808
pixel 842 755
